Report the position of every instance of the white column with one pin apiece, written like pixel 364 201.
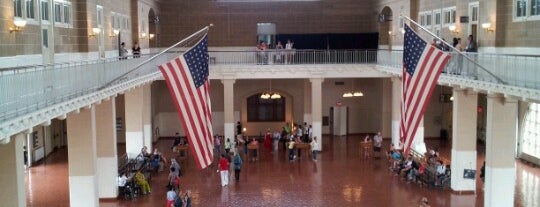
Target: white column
pixel 147 116
pixel 316 109
pixel 386 112
pixel 307 103
pixel 396 110
pixel 464 142
pixel 501 131
pixel 107 157
pixel 13 190
pixel 418 143
pixel 134 125
pixel 228 108
pixel 81 131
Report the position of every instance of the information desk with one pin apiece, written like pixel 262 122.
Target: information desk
pixel 250 148
pixel 302 146
pixel 366 148
pixel 183 152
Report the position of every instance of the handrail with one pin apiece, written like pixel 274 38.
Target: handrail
pixel 205 29
pixel 499 80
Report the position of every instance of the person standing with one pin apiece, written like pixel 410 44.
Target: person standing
pixel 171 196
pixel 228 145
pixel 377 144
pixel 224 170
pixel 238 128
pixel 136 50
pixel 237 166
pixel 217 144
pixel 313 150
pixel 291 149
pixel 123 51
pixel 289 52
pixel 276 136
pixel 471 45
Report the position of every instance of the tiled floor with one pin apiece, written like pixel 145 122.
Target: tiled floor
pixel 339 178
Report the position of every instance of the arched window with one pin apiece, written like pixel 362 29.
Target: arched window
pixel 265 110
pixel 531 135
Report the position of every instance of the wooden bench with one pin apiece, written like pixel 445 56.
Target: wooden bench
pixel 366 148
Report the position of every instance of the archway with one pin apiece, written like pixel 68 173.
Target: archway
pixel 153 28
pixel 385 28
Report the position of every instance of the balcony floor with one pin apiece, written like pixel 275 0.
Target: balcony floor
pixel 339 178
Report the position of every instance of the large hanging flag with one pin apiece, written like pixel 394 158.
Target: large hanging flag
pixel 422 66
pixel 187 78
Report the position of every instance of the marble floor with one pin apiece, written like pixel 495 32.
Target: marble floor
pixel 339 178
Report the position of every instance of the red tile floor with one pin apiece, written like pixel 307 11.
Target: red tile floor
pixel 339 178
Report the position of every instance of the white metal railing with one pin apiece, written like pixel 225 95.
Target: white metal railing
pixel 281 57
pixel 29 88
pixel 514 70
pixel 26 89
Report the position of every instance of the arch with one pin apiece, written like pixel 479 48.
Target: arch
pixel 385 27
pixel 153 28
pixel 255 128
pixel 530 141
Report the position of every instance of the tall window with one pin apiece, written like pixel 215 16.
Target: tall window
pixel 45 10
pixel 437 17
pixel 30 11
pixel 265 110
pixel 535 7
pixel 99 13
pixel 521 8
pixel 531 135
pixel 474 12
pixel 57 12
pixel 449 15
pixel 17 8
pixel 67 13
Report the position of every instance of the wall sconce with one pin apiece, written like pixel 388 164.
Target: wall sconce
pixel 95 31
pixel 390 33
pixel 453 29
pixel 487 27
pixel 19 24
pixel 115 33
pixel 143 35
pixel 151 36
pixel 402 31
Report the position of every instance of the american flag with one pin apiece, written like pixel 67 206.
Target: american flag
pixel 422 66
pixel 187 78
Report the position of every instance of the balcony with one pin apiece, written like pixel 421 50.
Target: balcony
pixel 32 95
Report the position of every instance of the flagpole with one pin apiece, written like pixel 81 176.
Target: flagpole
pixel 205 29
pixel 455 49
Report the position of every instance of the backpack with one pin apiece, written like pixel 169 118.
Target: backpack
pixel 178 202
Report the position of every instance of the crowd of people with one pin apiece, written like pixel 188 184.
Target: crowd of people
pixel 280 55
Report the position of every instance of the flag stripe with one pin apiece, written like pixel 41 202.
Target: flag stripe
pixel 422 65
pixel 187 79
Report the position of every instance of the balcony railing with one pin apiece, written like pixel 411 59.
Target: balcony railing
pixel 30 88
pixel 284 57
pixel 27 89
pixel 513 70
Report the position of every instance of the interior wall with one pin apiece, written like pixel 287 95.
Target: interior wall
pixel 235 22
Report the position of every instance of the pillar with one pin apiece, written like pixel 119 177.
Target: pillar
pixel 418 143
pixel 501 131
pixel 307 103
pixel 134 125
pixel 396 109
pixel 386 112
pixel 147 116
pixel 316 110
pixel 13 191
pixel 228 108
pixel 464 140
pixel 82 158
pixel 107 156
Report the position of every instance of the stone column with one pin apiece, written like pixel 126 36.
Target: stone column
pixel 107 157
pixel 307 103
pixel 316 110
pixel 134 125
pixel 228 108
pixel 501 130
pixel 13 191
pixel 81 132
pixel 386 112
pixel 396 109
pixel 147 116
pixel 464 142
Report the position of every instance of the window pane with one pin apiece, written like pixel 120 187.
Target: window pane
pixel 45 38
pixel 428 19
pixel 521 8
pixel 67 13
pixel 17 8
pixel 45 10
pixel 453 17
pixel 57 12
pixel 531 135
pixel 474 14
pixel 265 110
pixel 30 9
pixel 535 7
pixel 437 18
